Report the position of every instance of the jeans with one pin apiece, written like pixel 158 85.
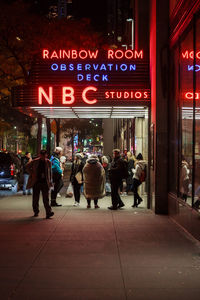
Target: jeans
pixel 77 190
pixel 58 184
pixel 116 200
pixel 26 176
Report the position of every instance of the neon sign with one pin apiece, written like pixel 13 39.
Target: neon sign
pixel 190 54
pixel 191 96
pixel 86 77
pixel 88 54
pixel 192 68
pixel 68 97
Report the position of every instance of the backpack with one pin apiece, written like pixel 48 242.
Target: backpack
pixel 124 171
pixel 143 175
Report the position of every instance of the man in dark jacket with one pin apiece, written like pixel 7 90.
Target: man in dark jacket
pixel 116 176
pixel 40 179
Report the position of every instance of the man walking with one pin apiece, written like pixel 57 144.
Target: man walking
pixel 25 160
pixel 116 175
pixel 40 179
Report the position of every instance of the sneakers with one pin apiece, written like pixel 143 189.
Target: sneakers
pixel 88 206
pixel 124 194
pixel 48 216
pixel 96 206
pixel 36 214
pixel 76 204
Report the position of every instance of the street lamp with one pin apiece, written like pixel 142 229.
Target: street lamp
pixel 132 32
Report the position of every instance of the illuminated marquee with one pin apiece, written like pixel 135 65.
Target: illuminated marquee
pixel 86 77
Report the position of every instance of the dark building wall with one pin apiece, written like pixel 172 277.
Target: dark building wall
pixel 159 35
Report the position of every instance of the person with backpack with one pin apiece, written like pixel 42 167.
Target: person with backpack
pixel 116 174
pixel 138 177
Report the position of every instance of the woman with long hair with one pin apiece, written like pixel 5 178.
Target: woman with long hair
pixel 76 178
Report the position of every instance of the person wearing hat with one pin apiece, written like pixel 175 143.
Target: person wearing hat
pixel 115 175
pixel 57 175
pixel 76 177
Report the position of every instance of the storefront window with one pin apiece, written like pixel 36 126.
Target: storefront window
pixel 186 118
pixel 184 135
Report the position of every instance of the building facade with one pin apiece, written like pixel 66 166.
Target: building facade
pixel 174 67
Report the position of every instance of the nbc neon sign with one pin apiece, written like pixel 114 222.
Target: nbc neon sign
pixel 68 97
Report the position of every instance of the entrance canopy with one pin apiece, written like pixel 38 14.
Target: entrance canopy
pixel 94 112
pixel 87 84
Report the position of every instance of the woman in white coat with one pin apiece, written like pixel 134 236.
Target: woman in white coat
pixel 94 181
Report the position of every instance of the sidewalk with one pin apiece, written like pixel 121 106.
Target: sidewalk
pixel 94 254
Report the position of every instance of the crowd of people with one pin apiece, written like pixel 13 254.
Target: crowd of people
pixel 95 176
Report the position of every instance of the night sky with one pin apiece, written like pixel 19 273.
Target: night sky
pixel 96 10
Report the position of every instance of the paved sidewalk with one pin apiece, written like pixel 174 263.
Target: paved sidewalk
pixel 88 254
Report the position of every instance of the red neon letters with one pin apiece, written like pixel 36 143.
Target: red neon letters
pixel 42 93
pixel 92 88
pixel 88 54
pixel 68 96
pixel 128 54
pixel 190 96
pixel 126 95
pixel 69 54
pixel 190 54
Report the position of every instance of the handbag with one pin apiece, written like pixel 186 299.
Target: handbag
pixel 69 192
pixel 79 178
